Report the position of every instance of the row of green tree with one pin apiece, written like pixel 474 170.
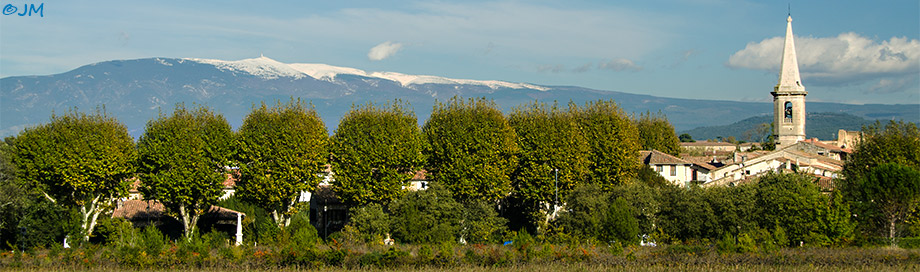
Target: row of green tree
pixel 85 161
pixel 490 172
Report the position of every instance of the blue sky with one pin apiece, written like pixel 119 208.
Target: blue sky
pixel 849 51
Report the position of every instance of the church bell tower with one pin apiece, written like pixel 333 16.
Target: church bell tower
pixel 788 97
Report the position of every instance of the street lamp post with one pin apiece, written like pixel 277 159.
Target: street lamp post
pixel 556 186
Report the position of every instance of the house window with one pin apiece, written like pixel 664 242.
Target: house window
pixel 659 168
pixel 673 170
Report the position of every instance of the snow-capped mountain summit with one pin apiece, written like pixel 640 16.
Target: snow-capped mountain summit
pixel 271 69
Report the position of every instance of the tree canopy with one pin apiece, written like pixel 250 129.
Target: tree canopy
pixel 551 144
pixel 78 161
pixel 472 148
pixel 613 142
pixel 282 151
pixel 656 133
pixel 182 161
pixel 376 151
pixel 894 189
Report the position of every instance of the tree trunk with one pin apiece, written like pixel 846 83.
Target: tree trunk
pixel 891 231
pixel 281 219
pixel 189 221
pixel 89 215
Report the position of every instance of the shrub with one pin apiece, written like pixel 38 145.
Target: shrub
pixel 620 224
pixel 481 223
pixel 369 223
pixel 429 216
pixel 151 241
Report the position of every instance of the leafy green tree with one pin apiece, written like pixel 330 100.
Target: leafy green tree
pixel 585 211
pixel 481 223
pixel 894 189
pixel 791 201
pixel 645 200
pixel 620 224
pixel 14 197
pixel 655 132
pixel 79 161
pixel 552 146
pixel 369 222
pixel 472 149
pixel 613 142
pixel 426 217
pixel 182 162
pixel 686 215
pixel 834 220
pixel 375 153
pixel 281 151
pixel 894 142
pixel 686 138
pixel 735 209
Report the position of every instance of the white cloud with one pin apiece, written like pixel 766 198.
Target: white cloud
pixel 845 59
pixel 383 50
pixel 620 65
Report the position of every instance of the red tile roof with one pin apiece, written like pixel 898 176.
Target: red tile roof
pixel 136 209
pixel 658 157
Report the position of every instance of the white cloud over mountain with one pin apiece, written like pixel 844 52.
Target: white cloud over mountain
pixel 383 50
pixel 620 65
pixel 845 59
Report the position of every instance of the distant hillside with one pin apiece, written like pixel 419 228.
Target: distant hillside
pixel 134 91
pixel 823 126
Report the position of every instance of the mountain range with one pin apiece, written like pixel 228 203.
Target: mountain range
pixel 135 91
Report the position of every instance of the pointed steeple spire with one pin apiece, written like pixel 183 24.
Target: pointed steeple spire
pixel 789 80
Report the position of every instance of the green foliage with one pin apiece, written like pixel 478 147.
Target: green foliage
pixel 481 223
pixel 258 226
pixel 281 150
pixel 370 223
pixel 42 224
pixel 645 202
pixel 300 235
pixel 551 143
pixel 151 241
pixel 375 153
pixel 686 138
pixel 585 211
pixel 426 217
pixel 15 198
pixel 78 161
pixel 613 142
pixel 472 149
pixel 656 133
pixel 793 202
pixel 182 160
pixel 834 220
pixel 686 215
pixel 735 208
pixel 646 175
pixel 895 142
pixel 620 225
pixel 894 189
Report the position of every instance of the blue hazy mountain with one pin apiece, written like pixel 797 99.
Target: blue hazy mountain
pixel 135 91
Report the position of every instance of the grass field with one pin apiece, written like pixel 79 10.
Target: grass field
pixel 467 258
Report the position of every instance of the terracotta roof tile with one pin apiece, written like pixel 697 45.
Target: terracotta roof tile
pixel 658 157
pixel 137 209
